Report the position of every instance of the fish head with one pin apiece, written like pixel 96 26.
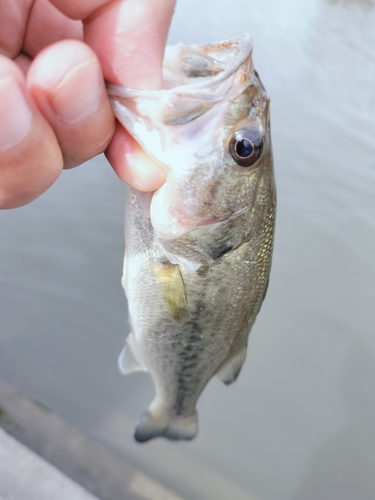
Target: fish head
pixel 209 129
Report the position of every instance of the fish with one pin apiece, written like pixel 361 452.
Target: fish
pixel 198 250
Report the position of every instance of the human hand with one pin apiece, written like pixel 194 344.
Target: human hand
pixel 59 115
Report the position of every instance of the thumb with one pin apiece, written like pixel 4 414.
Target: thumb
pixel 129 38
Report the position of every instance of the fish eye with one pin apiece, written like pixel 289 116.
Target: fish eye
pixel 246 146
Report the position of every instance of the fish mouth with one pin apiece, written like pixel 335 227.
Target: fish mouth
pixel 173 218
pixel 182 228
pixel 203 242
pixel 212 220
pixel 183 224
pixel 189 222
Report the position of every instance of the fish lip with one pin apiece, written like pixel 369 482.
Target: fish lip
pixel 216 220
pixel 213 221
pixel 186 229
pixel 190 222
pixel 245 48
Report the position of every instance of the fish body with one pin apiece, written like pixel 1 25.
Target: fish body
pixel 199 249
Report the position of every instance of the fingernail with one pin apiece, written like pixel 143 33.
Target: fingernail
pixel 78 94
pixel 15 114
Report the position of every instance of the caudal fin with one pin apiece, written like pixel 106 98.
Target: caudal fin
pixel 152 425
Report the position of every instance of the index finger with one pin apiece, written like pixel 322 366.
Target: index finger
pixel 128 37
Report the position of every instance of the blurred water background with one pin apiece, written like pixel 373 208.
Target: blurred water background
pixel 299 424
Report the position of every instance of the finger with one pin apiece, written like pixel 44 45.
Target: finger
pixel 66 82
pixel 13 21
pixel 132 165
pixel 79 9
pixel 30 157
pixel 127 35
pixel 129 38
pixel 23 62
pixel 47 25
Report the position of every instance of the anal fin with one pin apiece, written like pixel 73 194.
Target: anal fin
pixel 229 372
pixel 128 360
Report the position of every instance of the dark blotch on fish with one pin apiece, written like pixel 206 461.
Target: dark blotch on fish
pixel 219 252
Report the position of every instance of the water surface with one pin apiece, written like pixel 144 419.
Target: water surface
pixel 299 422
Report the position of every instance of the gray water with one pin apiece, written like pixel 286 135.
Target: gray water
pixel 299 424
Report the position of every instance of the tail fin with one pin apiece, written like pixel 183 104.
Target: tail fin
pixel 152 425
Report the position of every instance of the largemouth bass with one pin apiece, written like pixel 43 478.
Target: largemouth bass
pixel 199 249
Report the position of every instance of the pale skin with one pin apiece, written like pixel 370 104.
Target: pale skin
pixel 55 56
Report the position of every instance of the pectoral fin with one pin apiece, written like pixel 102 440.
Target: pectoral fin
pixel 229 372
pixel 172 289
pixel 128 360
